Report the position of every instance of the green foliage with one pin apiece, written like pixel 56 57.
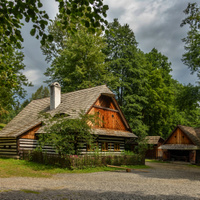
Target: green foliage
pixel 87 161
pixel 77 59
pixel 128 153
pixel 12 79
pixel 188 98
pixel 192 42
pixel 40 93
pixel 187 105
pixel 159 108
pixel 13 12
pixel 126 67
pixel 2 125
pixel 67 135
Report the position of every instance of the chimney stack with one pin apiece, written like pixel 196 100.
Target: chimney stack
pixel 55 95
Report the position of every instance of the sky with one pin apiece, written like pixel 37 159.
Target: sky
pixel 155 23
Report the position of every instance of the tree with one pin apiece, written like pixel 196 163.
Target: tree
pixel 40 93
pixel 67 135
pixel 188 97
pixel 11 78
pixel 187 103
pixel 12 12
pixel 77 60
pixel 160 104
pixel 126 67
pixel 192 42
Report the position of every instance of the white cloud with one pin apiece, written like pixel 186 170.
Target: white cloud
pixel 156 23
pixel 33 75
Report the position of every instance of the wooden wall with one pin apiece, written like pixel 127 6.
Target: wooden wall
pixel 8 148
pixel 151 152
pixel 31 133
pixel 178 137
pixel 107 114
pixel 28 145
pixel 111 141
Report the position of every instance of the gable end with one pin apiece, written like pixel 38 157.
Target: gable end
pixel 178 137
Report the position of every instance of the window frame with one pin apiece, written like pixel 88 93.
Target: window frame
pixel 104 146
pixel 116 146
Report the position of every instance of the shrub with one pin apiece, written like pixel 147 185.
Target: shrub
pixel 86 161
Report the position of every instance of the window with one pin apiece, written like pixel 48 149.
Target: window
pixel 88 147
pixel 92 147
pixel 104 146
pixel 116 147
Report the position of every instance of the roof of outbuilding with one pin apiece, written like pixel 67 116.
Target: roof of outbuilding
pixel 72 103
pixel 192 133
pixel 153 139
pixel 179 147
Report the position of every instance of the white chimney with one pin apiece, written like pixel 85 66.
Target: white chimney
pixel 55 95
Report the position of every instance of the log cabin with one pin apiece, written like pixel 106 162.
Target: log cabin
pixel 183 144
pixel 153 143
pixel 21 133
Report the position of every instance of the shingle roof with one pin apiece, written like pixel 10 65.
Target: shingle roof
pixel 179 147
pixel 72 103
pixel 192 133
pixel 116 133
pixel 153 139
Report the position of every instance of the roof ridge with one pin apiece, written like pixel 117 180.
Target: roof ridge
pixel 76 91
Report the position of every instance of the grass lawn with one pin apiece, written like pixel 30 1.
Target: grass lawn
pixel 157 161
pixel 22 168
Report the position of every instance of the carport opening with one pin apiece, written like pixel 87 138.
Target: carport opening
pixel 179 155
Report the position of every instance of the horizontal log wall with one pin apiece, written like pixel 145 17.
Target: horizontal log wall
pixel 8 148
pixel 28 145
pixel 110 141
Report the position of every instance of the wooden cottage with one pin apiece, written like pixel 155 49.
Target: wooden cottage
pixel 153 143
pixel 20 134
pixel 183 144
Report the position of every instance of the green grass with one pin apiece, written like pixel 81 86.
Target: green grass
pixel 195 166
pixel 22 168
pixel 30 191
pixel 157 161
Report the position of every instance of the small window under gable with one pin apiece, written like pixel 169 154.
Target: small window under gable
pixel 106 102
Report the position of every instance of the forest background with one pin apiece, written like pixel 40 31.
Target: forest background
pixel 82 54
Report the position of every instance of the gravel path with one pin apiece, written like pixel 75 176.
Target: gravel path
pixel 162 181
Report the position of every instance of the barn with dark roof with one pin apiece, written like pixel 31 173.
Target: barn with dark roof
pixel 20 134
pixel 183 144
pixel 153 143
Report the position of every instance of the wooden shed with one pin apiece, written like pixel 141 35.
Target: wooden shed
pixel 183 144
pixel 21 133
pixel 153 143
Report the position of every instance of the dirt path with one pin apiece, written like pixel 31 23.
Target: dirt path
pixel 162 181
